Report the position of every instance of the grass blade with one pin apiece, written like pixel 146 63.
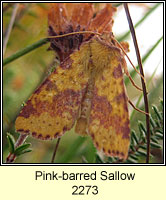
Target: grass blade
pixel 123 37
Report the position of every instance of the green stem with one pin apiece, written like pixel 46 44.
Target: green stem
pixel 24 51
pixel 11 157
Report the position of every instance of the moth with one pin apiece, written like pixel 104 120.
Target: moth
pixel 87 89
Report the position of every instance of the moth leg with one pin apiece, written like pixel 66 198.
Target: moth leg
pixel 141 111
pixel 128 75
pixel 121 46
pixel 132 81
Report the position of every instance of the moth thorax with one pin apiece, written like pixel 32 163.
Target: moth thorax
pixel 64 46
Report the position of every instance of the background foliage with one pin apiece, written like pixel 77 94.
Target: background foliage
pixel 22 76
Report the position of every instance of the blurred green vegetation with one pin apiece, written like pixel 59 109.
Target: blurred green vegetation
pixel 22 76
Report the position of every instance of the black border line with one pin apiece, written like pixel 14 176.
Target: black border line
pixel 76 164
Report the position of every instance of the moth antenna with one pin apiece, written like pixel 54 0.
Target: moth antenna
pixel 128 58
pixel 141 111
pixel 73 33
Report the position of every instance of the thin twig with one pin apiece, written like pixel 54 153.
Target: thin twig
pixel 11 157
pixel 55 150
pixel 142 81
pixel 24 51
pixel 21 139
pixel 9 28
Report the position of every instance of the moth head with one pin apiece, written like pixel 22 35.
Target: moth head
pixel 64 18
